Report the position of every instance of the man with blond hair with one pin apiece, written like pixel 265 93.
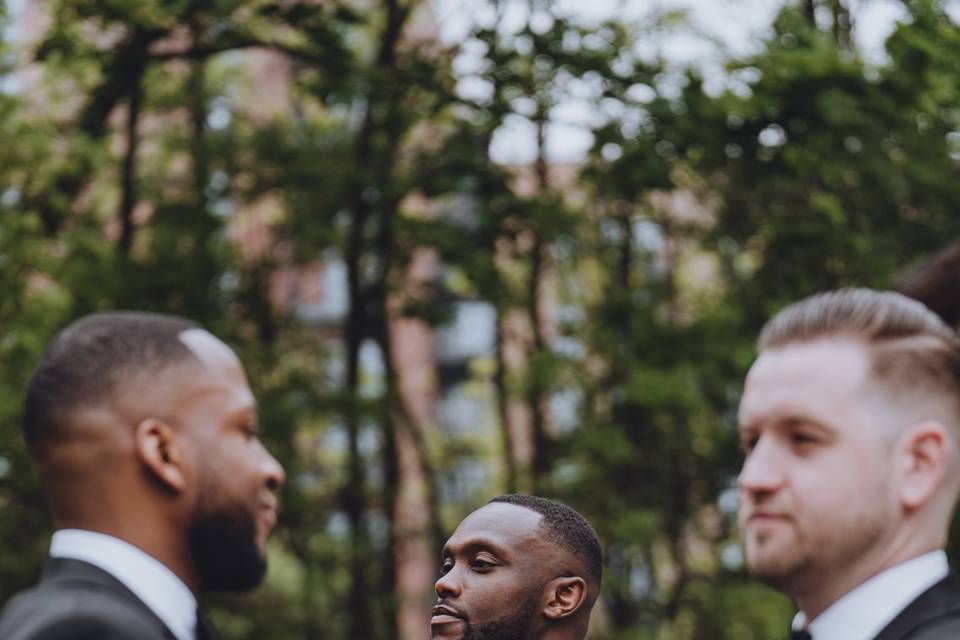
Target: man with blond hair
pixel 849 421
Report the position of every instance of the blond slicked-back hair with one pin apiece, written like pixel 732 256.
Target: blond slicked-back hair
pixel 910 346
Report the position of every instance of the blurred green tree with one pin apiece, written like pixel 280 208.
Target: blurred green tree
pixel 146 168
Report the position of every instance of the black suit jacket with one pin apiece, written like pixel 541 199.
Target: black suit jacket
pixel 75 600
pixel 934 615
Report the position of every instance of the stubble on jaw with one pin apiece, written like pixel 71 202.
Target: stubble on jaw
pixel 514 626
pixel 809 568
pixel 771 561
pixel 223 543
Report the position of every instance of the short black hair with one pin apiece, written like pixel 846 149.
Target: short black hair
pixel 93 358
pixel 565 527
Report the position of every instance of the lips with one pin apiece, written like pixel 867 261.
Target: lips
pixel 268 517
pixel 763 517
pixel 767 515
pixel 444 614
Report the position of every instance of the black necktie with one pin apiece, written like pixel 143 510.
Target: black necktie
pixel 800 635
pixel 205 630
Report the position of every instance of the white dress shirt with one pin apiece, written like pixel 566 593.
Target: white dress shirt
pixel 148 578
pixel 862 613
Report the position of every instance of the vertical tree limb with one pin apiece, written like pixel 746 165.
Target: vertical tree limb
pixel 128 198
pixel 535 394
pixel 364 299
pixel 198 125
pixel 810 10
pixel 503 403
pixel 123 69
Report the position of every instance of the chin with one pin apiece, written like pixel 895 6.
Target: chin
pixel 449 630
pixel 772 568
pixel 228 551
pixel 260 541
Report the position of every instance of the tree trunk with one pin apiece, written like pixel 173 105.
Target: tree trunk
pixel 842 23
pixel 258 302
pixel 503 405
pixel 391 484
pixel 198 124
pixel 402 426
pixel 625 265
pixel 536 395
pixel 371 164
pixel 121 73
pixel 355 330
pixel 354 492
pixel 810 10
pixel 128 199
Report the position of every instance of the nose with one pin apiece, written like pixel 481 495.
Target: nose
pixel 273 473
pixel 448 586
pixel 763 469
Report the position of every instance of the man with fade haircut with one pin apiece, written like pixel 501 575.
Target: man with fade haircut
pixel 519 568
pixel 849 420
pixel 143 433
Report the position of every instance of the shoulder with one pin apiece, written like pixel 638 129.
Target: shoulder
pixel 76 614
pixel 934 615
pixel 944 628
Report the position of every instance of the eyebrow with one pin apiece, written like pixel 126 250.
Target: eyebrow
pixel 472 546
pixel 790 421
pixel 246 416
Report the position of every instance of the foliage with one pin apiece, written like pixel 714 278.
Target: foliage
pixel 192 157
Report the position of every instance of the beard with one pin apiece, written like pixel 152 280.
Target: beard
pixel 224 549
pixel 513 626
pixel 811 551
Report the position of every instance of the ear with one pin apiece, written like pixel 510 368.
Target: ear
pixel 924 457
pixel 564 597
pixel 161 454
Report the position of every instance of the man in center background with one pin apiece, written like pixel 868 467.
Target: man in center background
pixel 519 568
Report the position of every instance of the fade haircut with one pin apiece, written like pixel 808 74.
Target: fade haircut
pixel 93 358
pixel 910 346
pixel 564 527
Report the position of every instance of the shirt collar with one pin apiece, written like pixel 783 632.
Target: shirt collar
pixel 148 578
pixel 862 613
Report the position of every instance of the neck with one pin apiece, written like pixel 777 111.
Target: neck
pixel 829 586
pixel 566 632
pixel 152 538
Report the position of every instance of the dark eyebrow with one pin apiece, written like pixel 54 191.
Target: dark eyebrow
pixel 473 546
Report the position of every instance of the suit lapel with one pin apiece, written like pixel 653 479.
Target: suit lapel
pixel 67 571
pixel 941 599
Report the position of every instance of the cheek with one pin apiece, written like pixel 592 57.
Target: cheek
pixel 494 596
pixel 872 463
pixel 230 459
pixel 845 480
pixel 226 477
